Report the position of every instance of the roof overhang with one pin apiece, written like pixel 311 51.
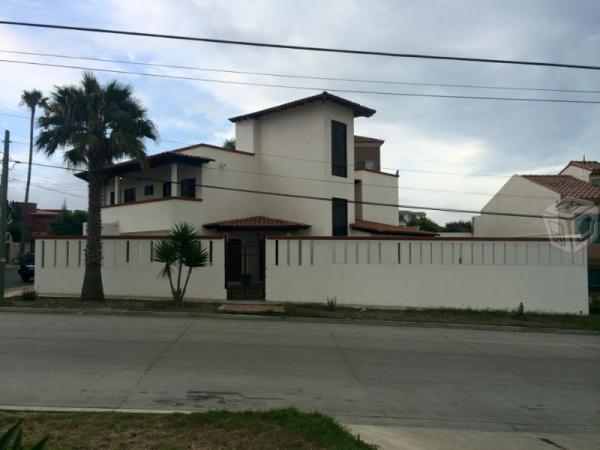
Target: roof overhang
pixel 389 230
pixel 357 109
pixel 160 159
pixel 256 223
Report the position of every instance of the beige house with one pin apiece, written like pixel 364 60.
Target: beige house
pixel 298 169
pixel 519 207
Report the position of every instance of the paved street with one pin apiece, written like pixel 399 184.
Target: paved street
pixel 412 378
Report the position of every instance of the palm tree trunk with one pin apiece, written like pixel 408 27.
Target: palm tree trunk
pixel 92 288
pixel 25 210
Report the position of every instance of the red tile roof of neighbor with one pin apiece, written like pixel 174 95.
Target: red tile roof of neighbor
pixel 567 186
pixel 256 223
pixel 359 110
pixel 367 140
pixel 383 228
pixel 592 166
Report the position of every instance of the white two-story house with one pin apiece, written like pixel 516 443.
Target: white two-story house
pixel 297 168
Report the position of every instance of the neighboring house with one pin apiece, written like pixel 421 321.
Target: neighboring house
pixel 534 195
pixel 38 221
pixel 406 216
pixel 305 148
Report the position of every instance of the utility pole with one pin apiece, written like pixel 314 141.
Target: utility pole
pixel 3 213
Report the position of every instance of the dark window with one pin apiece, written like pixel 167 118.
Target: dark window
pixel 129 195
pixel 339 159
pixel 188 188
pixel 149 190
pixel 112 198
pixel 339 217
pixel 166 189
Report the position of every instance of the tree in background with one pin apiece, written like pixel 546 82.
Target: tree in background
pixel 181 249
pixel 70 223
pixel 459 226
pixel 425 224
pixel 94 125
pixel 229 144
pixel 32 99
pixel 14 220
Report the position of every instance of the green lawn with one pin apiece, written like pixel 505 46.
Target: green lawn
pixel 276 429
pixel 450 316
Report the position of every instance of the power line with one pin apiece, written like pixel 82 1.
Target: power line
pixel 304 77
pixel 304 88
pixel 14 115
pixel 309 197
pixel 46 188
pixel 303 47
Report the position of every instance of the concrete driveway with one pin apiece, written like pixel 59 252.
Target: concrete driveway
pixel 386 381
pixel 12 278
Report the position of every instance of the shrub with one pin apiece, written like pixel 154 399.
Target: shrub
pixel 331 302
pixel 8 443
pixel 595 304
pixel 28 295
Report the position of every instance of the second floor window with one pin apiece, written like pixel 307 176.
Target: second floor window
pixel 188 188
pixel 339 154
pixel 149 190
pixel 112 197
pixel 129 195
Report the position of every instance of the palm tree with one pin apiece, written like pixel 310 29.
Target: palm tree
pixel 180 248
pixel 32 99
pixel 94 125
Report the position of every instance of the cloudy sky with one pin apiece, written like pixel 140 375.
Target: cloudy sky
pixel 487 138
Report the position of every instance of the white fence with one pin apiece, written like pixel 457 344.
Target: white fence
pixel 127 269
pixel 437 272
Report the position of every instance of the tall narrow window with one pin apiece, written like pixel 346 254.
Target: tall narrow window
pixel 188 188
pixel 167 189
pixel 339 217
pixel 339 156
pixel 112 197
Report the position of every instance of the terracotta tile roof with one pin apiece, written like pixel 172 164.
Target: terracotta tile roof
pixel 256 223
pixel 383 228
pixel 567 186
pixel 359 110
pixel 592 166
pixel 367 140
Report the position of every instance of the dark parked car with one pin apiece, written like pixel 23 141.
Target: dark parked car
pixel 27 268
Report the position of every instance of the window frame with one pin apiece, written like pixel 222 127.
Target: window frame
pixel 166 189
pixel 148 190
pixel 336 228
pixel 188 183
pixel 129 195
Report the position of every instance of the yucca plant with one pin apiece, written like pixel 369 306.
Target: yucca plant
pixel 8 443
pixel 180 251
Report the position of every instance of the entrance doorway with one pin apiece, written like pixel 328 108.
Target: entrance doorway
pixel 245 269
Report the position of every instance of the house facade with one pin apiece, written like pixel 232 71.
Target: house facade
pixel 298 169
pixel 519 207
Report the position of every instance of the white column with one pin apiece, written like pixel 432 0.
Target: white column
pixel 174 185
pixel 116 190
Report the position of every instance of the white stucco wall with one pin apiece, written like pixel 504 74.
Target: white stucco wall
pixel 60 263
pixel 428 273
pixel 517 196
pixel 288 153
pixel 378 188
pixel 577 172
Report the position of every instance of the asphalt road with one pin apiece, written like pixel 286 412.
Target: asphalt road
pixel 369 375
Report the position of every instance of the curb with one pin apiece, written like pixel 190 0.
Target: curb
pixel 282 318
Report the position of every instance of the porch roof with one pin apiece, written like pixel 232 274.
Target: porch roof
pixel 256 223
pixel 157 160
pixel 384 228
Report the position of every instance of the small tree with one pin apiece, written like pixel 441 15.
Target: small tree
pixel 229 144
pixel 180 249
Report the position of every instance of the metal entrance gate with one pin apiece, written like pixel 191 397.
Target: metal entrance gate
pixel 245 270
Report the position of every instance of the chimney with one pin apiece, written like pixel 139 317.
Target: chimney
pixel 246 135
